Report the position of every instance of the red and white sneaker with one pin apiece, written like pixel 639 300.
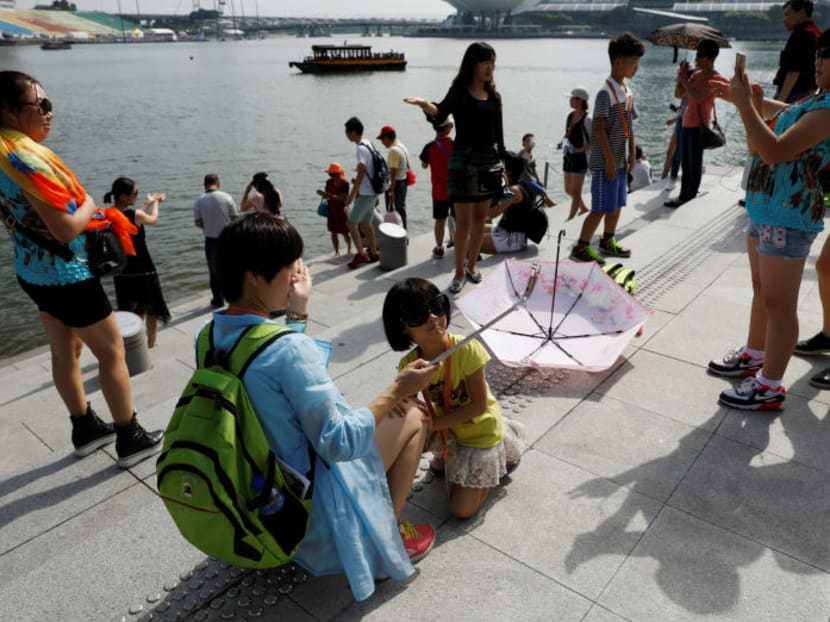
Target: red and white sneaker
pixel 752 395
pixel 417 539
pixel 736 364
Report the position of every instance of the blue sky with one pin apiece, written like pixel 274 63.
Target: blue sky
pixel 293 8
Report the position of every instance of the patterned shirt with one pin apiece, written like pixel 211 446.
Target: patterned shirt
pixel 619 119
pixel 788 194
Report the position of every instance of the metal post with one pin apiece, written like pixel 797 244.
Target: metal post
pixel 547 168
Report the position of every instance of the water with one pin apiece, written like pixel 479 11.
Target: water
pixel 167 114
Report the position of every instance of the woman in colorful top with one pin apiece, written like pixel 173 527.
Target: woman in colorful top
pixel 265 198
pixel 47 211
pixel 700 104
pixel 335 193
pixel 785 203
pixel 480 445
pixel 366 457
pixel 137 288
pixel 475 173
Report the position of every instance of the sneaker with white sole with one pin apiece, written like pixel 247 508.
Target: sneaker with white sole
pixel 752 395
pixel 817 344
pixel 417 539
pixel 586 253
pixel 90 433
pixel 736 364
pixel 133 443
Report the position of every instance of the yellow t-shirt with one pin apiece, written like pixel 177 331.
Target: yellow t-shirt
pixel 399 160
pixel 486 430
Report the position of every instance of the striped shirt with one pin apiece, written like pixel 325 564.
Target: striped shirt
pixel 616 125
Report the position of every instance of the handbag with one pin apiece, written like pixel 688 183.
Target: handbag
pixel 485 180
pixel 323 209
pixel 410 177
pixel 105 253
pixel 711 136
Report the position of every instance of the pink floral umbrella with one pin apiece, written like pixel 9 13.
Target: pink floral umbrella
pixel 574 316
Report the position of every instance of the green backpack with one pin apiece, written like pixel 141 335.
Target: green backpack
pixel 624 277
pixel 213 449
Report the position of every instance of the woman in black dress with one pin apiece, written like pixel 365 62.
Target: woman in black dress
pixel 476 174
pixel 137 289
pixel 575 145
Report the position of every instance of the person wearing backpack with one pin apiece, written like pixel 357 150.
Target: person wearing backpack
pixel 360 204
pixel 365 459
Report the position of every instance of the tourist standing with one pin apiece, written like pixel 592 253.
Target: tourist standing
pixel 785 204
pixel 575 147
pixel 398 158
pixel 48 211
pixel 137 288
pixel 335 193
pixel 612 151
pixel 211 213
pixel 261 195
pixel 795 78
pixel 361 200
pixel 436 157
pixel 476 175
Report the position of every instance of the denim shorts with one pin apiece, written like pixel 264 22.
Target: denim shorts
pixel 781 241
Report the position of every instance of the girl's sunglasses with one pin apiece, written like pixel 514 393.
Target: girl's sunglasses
pixel 419 315
pixel 44 106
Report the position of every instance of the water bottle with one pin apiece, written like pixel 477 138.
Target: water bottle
pixel 275 500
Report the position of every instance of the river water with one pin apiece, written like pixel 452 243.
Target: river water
pixel 167 114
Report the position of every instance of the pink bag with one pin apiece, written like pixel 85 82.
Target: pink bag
pixel 393 217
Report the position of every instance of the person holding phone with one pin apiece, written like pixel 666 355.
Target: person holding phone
pixel 785 203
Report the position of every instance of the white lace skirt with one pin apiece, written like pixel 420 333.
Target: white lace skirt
pixel 473 467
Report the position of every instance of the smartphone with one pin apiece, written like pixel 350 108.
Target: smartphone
pixel 740 62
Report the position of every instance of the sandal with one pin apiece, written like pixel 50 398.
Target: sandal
pixel 473 277
pixel 455 287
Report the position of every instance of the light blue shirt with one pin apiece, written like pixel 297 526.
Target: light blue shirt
pixel 353 527
pixel 788 194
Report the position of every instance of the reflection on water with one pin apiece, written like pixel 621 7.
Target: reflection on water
pixel 167 114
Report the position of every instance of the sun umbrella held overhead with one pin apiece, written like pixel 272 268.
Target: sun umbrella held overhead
pixel 687 36
pixel 575 316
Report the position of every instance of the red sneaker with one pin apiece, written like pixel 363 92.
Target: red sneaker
pixel 359 260
pixel 417 539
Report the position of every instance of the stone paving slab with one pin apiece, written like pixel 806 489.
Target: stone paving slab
pixel 639 498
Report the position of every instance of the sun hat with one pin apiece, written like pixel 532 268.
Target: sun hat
pixel 335 169
pixel 580 93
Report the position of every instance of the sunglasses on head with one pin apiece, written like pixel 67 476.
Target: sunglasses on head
pixel 419 314
pixel 823 53
pixel 44 106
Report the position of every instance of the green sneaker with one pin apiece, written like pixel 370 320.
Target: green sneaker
pixel 612 248
pixel 586 253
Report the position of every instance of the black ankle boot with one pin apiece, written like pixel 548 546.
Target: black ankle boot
pixel 89 432
pixel 133 443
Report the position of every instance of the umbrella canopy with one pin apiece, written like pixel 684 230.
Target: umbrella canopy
pixel 687 35
pixel 584 322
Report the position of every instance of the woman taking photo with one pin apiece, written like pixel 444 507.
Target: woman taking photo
pixel 137 288
pixel 47 211
pixel 785 203
pixel 476 174
pixel 366 458
pixel 265 198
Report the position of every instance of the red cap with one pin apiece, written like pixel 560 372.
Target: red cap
pixel 386 129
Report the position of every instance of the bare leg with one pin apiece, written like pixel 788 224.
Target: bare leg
pixel 105 341
pixel 152 329
pixel 401 442
pixel 465 502
pixel 463 222
pixel 780 282
pixel 353 230
pixel 335 244
pixel 578 182
pixel 823 273
pixel 369 233
pixel 65 346
pixel 757 336
pixel 669 155
pixel 348 241
pixel 479 218
pixel 611 220
pixel 569 190
pixel 589 226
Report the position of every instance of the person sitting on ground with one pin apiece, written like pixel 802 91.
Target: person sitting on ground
pixel 785 204
pixel 640 175
pixel 521 216
pixel 436 157
pixel 48 213
pixel 137 288
pixel 265 198
pixel 479 446
pixel 530 176
pixel 366 458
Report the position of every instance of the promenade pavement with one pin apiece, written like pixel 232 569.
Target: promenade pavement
pixel 638 498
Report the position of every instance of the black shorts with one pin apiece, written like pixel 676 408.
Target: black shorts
pixel 77 305
pixel 440 208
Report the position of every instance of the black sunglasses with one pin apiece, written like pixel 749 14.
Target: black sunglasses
pixel 419 314
pixel 44 106
pixel 822 53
